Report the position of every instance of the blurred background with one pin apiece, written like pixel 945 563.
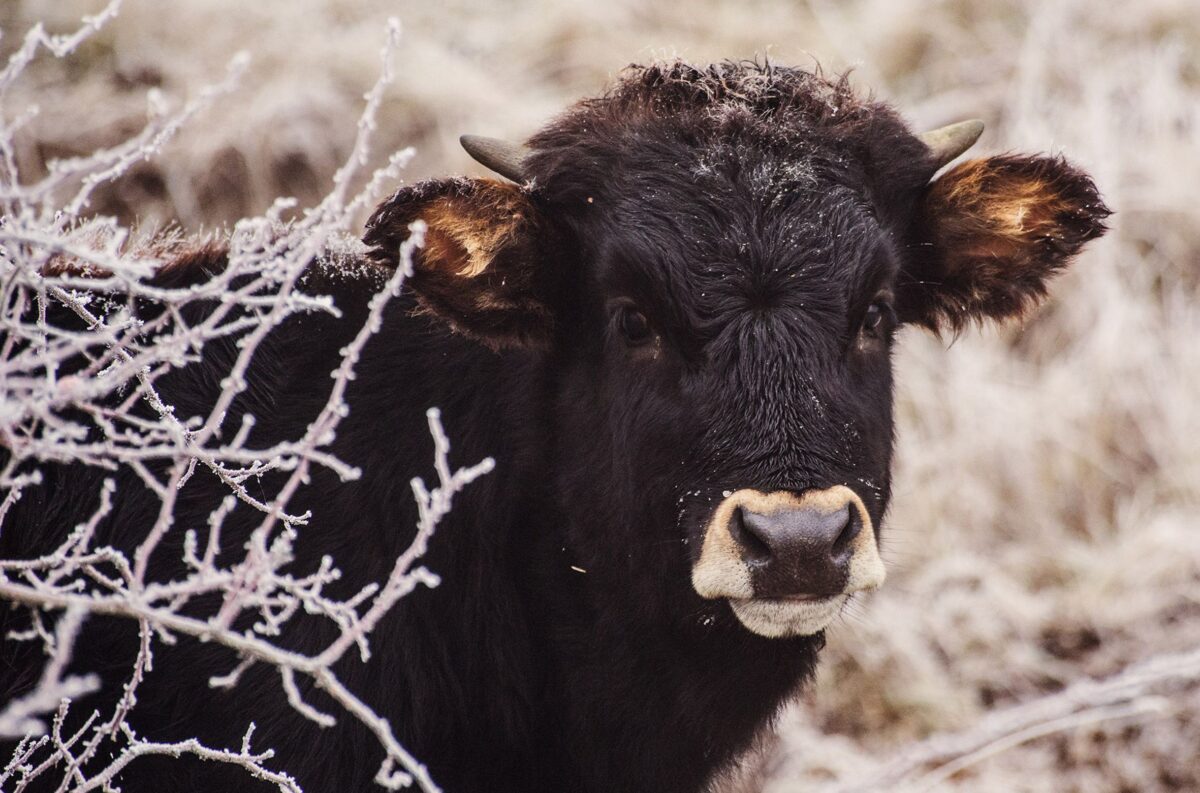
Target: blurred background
pixel 1044 525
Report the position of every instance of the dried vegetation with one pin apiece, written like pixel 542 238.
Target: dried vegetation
pixel 1044 527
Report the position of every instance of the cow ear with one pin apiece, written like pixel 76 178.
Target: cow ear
pixel 481 266
pixel 990 233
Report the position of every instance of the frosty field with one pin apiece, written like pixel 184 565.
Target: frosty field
pixel 1044 525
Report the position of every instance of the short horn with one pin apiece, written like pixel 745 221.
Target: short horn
pixel 506 159
pixel 948 142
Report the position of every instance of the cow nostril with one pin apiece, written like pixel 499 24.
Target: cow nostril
pixel 850 530
pixel 754 546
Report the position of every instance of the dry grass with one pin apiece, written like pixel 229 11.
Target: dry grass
pixel 1048 477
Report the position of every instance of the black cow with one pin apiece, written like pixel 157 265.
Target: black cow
pixel 673 330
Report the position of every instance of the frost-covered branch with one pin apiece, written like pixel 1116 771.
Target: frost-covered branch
pixel 18 718
pixel 81 359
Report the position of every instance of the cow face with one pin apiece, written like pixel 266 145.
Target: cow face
pixel 714 265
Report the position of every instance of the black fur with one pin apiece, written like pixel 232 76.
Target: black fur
pixel 753 214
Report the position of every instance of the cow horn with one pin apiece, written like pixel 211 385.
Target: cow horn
pixel 506 159
pixel 948 142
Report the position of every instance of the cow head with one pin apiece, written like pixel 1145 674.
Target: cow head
pixel 713 264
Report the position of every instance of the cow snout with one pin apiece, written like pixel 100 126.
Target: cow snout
pixel 787 562
pixel 797 552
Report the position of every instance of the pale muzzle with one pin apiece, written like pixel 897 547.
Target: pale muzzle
pixel 788 562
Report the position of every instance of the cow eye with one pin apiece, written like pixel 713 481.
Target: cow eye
pixel 879 319
pixel 634 326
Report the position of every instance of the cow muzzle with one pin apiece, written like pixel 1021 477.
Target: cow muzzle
pixel 788 562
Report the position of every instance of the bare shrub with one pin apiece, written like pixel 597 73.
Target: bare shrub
pixel 53 255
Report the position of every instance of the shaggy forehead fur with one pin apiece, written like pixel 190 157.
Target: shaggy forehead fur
pixel 732 190
pixel 739 120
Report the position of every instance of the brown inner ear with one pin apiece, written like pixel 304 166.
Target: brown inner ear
pixel 483 265
pixel 985 219
pixel 991 232
pixel 466 242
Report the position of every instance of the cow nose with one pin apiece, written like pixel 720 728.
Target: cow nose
pixel 801 551
pixel 787 545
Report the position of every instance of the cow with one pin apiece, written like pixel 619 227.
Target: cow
pixel 670 320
